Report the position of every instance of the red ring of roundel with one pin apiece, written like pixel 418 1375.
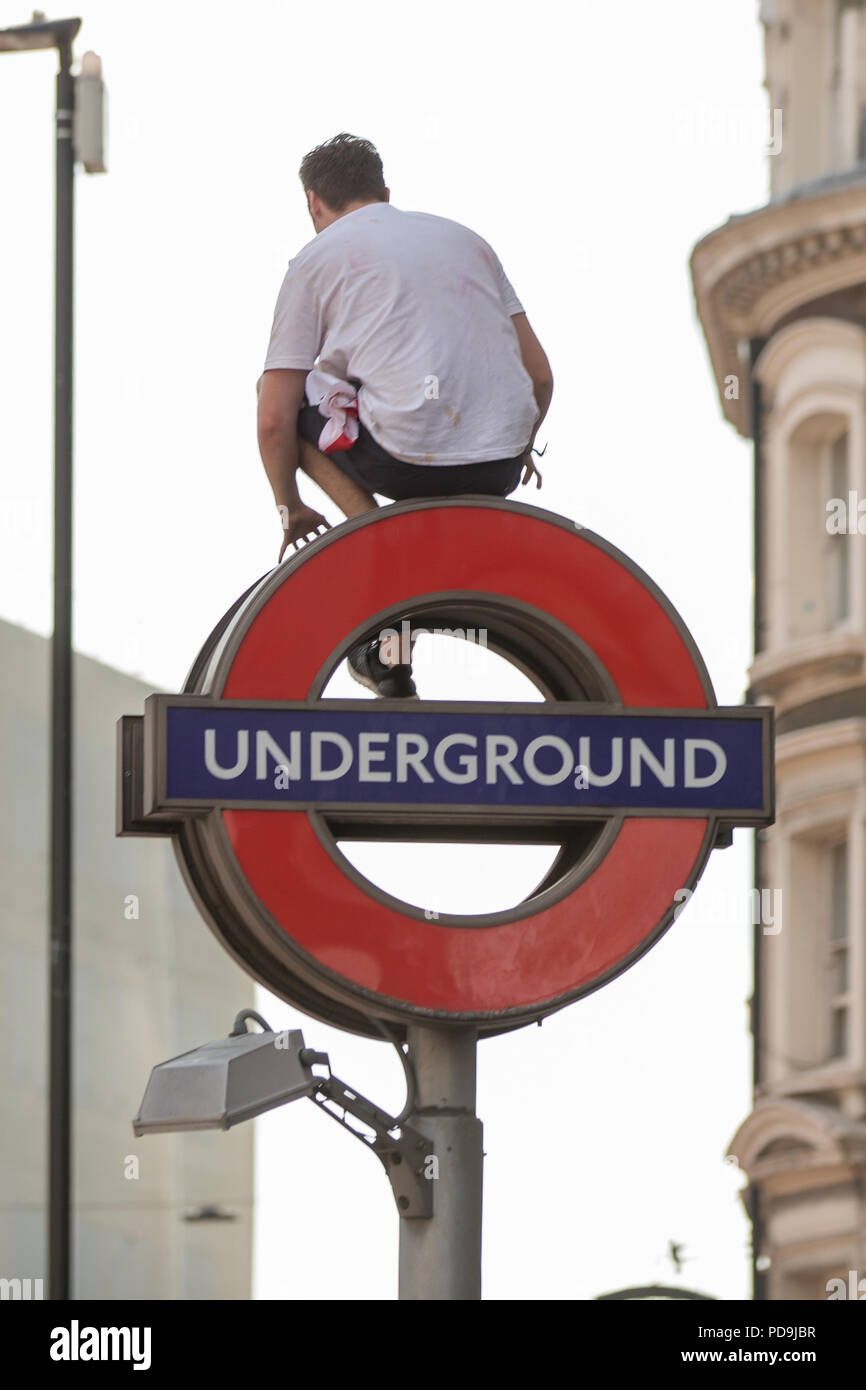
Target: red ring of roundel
pixel 419 964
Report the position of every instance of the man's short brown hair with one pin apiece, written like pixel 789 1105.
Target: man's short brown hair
pixel 345 169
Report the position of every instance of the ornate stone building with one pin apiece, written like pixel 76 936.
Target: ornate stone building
pixel 781 295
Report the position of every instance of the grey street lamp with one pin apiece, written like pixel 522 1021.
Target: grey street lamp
pixel 42 33
pixel 233 1079
pixel 225 1082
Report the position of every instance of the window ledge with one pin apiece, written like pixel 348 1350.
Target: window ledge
pixel 840 1075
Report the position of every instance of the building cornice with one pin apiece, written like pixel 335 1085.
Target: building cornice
pixel 760 267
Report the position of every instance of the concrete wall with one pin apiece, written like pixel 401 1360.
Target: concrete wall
pixel 146 988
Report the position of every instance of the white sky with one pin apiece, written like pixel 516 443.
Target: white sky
pixel 592 145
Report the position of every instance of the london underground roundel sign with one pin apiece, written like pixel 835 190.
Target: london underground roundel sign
pixel 627 763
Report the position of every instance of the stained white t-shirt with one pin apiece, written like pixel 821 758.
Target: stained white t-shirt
pixel 417 309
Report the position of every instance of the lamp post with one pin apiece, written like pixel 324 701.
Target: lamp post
pixel 46 34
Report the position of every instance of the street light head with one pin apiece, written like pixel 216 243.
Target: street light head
pixel 226 1082
pixel 39 33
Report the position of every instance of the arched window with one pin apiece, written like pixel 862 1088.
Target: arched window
pixel 815 1030
pixel 812 374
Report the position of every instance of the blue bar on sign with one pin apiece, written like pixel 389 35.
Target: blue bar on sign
pixel 473 759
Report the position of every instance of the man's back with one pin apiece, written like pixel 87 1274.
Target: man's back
pixel 418 310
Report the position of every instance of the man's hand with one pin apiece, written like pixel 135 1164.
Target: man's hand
pixel 300 523
pixel 530 470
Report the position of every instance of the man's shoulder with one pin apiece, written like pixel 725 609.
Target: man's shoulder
pixel 448 226
pixel 309 252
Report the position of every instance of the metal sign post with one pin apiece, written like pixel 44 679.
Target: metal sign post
pixel 441 1258
pixel 627 764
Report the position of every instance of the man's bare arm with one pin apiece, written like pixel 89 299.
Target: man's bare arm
pixel 281 395
pixel 535 361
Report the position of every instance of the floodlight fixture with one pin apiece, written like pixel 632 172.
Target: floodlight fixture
pixel 233 1079
pixel 226 1082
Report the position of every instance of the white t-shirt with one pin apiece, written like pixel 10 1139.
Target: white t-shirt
pixel 417 309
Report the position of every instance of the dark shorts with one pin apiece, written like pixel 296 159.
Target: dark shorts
pixel 369 465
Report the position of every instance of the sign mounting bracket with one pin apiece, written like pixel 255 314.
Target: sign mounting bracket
pixel 404 1158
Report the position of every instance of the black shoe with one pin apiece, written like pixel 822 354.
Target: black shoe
pixel 388 682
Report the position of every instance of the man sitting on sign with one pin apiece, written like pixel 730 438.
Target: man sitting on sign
pixel 400 362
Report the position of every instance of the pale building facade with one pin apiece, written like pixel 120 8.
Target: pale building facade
pixel 781 294
pixel 165 1216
